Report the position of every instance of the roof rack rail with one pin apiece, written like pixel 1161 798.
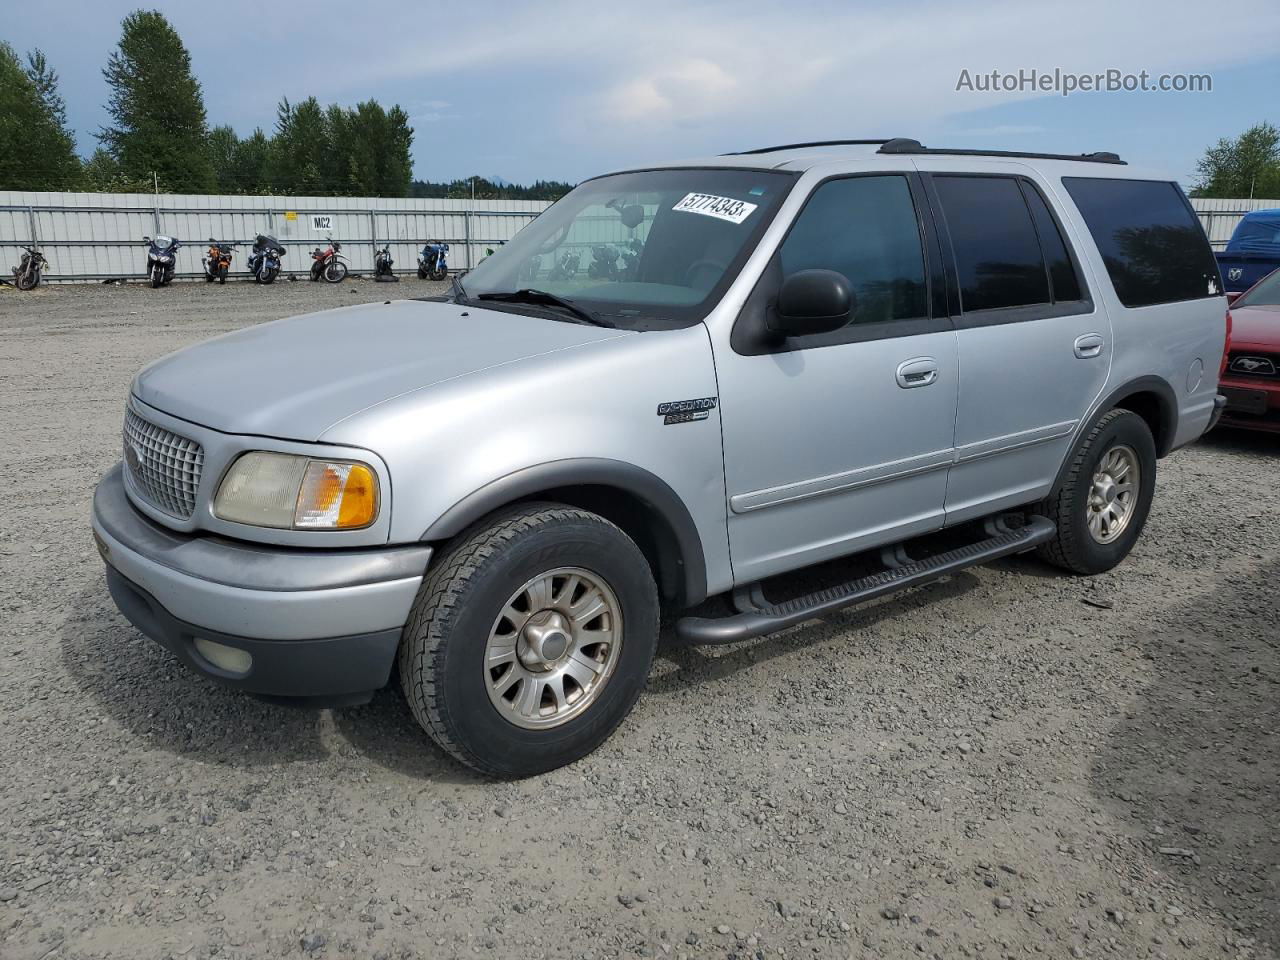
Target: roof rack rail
pixel 813 143
pixel 905 145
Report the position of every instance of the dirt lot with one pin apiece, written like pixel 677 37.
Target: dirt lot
pixel 1007 764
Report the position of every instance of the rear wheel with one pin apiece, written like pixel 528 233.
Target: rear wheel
pixel 422 272
pixel 530 639
pixel 1104 501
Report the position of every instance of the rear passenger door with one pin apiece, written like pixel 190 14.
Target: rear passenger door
pixel 1033 346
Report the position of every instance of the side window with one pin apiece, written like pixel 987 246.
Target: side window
pixel 996 249
pixel 1153 245
pixel 1062 273
pixel 865 228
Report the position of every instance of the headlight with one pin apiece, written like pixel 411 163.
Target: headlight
pixel 289 492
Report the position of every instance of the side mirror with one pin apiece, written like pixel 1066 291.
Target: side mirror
pixel 812 301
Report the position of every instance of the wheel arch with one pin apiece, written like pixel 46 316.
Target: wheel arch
pixel 1151 398
pixel 642 504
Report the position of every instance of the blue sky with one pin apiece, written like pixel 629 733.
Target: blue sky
pixel 564 89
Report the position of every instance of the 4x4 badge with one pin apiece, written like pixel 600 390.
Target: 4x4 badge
pixel 686 411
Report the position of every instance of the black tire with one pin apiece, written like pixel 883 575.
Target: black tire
pixel 440 274
pixel 222 274
pixel 157 278
pixel 467 586
pixel 335 271
pixel 27 280
pixel 422 272
pixel 1074 548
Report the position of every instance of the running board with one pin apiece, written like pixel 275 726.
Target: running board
pixel 759 620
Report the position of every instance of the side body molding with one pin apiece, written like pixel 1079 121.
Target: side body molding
pixel 676 540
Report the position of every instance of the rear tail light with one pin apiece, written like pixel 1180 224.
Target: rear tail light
pixel 1226 349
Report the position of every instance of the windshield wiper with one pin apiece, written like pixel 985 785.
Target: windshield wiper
pixel 529 295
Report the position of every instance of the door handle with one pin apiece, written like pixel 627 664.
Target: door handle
pixel 919 372
pixel 1089 345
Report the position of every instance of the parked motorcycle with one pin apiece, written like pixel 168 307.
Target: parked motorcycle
pixel 26 275
pixel 328 264
pixel 433 261
pixel 382 265
pixel 162 255
pixel 264 258
pixel 217 263
pixel 604 262
pixel 566 268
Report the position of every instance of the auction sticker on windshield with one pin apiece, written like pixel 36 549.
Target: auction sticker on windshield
pixel 709 205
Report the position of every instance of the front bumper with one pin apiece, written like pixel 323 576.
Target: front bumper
pixel 314 623
pixel 1252 404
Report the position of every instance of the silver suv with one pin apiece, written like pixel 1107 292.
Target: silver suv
pixel 675 385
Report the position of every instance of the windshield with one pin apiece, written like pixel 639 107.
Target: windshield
pixel 645 250
pixel 1264 293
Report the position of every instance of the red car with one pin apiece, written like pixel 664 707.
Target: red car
pixel 1251 382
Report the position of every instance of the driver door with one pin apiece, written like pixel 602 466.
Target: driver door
pixel 838 442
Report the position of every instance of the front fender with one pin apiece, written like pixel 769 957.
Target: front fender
pixel 582 415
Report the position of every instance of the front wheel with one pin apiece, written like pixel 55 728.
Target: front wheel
pixel 266 275
pixel 222 274
pixel 157 278
pixel 335 271
pixel 1104 501
pixel 440 273
pixel 27 280
pixel 530 640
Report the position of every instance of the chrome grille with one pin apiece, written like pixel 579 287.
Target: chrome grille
pixel 165 467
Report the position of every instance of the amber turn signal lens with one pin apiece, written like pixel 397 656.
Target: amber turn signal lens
pixel 336 496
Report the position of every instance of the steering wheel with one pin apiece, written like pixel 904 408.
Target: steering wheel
pixel 703 264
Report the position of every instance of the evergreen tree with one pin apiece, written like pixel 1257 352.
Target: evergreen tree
pixel 37 151
pixel 222 152
pixel 298 148
pixel 251 162
pixel 157 108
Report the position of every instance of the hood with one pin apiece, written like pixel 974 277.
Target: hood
pixel 297 377
pixel 1259 326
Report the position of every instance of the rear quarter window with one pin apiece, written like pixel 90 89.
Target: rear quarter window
pixel 1152 244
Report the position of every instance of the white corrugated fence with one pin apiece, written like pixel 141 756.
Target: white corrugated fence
pixel 98 236
pixel 1220 217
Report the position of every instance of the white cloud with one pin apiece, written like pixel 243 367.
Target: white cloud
pixel 798 70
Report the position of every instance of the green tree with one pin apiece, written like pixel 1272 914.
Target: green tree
pixel 157 108
pixel 252 163
pixel 1242 167
pixel 222 152
pixel 298 148
pixel 37 151
pixel 378 144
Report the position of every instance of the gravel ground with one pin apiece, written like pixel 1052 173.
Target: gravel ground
pixel 1010 763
